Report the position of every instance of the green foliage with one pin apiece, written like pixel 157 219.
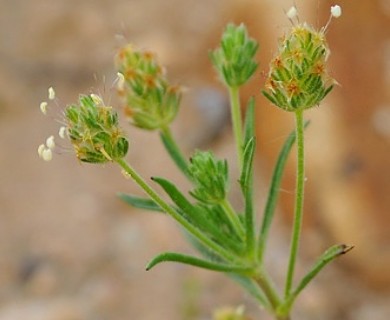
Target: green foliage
pixel 210 177
pixel 201 263
pixel 234 60
pixel 151 101
pixel 94 131
pixel 298 78
pixel 273 192
pixel 227 239
pixel 140 203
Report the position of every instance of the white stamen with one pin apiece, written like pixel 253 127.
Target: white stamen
pixel 62 132
pixel 52 93
pixel 96 99
pixel 121 81
pixel 292 12
pixel 335 11
pixel 40 150
pixel 50 142
pixel 47 155
pixel 43 107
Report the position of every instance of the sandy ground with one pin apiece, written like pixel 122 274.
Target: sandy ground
pixel 69 249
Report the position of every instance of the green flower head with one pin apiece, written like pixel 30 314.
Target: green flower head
pixel 151 102
pixel 210 177
pixel 234 60
pixel 298 77
pixel 93 130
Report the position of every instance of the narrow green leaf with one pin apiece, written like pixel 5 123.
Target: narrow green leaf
pixel 140 203
pixel 174 151
pixel 197 262
pixel 197 216
pixel 249 129
pixel 247 170
pixel 246 181
pixel 328 256
pixel 177 197
pixel 274 191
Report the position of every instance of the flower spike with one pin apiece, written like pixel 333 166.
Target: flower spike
pixel 94 131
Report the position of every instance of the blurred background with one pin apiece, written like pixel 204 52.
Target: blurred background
pixel 70 249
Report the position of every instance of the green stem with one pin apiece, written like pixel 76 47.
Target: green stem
pixel 233 218
pixel 237 122
pixel 297 223
pixel 169 210
pixel 269 290
pixel 328 256
pixel 173 150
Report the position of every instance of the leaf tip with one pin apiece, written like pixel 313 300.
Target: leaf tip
pixel 346 248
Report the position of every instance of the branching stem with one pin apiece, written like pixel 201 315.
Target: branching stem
pixel 174 214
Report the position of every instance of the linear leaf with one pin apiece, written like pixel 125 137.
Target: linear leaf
pixel 196 215
pixel 249 128
pixel 246 181
pixel 247 170
pixel 174 151
pixel 329 255
pixel 139 202
pixel 197 262
pixel 274 191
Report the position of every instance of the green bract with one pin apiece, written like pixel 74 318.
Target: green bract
pixel 210 177
pixel 93 130
pixel 298 78
pixel 234 60
pixel 151 102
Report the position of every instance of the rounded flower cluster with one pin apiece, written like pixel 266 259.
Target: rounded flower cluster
pixel 298 78
pixel 234 59
pixel 210 177
pixel 151 102
pixel 93 130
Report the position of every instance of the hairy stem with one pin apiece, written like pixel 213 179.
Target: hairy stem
pixel 298 212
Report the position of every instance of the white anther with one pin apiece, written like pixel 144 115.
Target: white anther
pixel 120 81
pixel 50 142
pixel 292 12
pixel 43 107
pixel 40 150
pixel 335 11
pixel 62 132
pixel 96 99
pixel 52 93
pixel 47 155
